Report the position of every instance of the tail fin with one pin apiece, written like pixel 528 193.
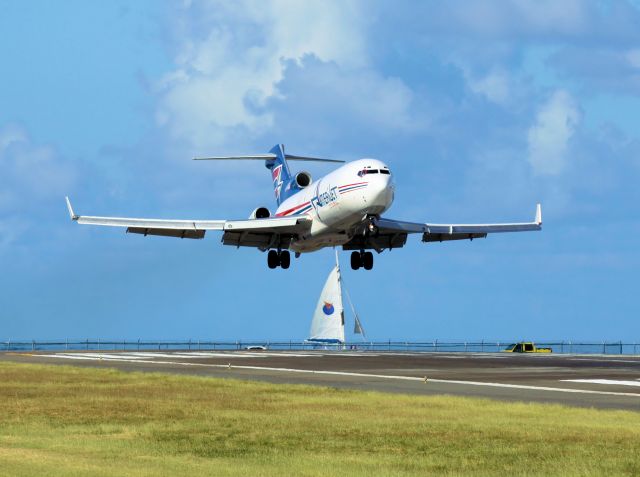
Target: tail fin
pixel 276 162
pixel 280 174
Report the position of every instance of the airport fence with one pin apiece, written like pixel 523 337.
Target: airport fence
pixel 482 346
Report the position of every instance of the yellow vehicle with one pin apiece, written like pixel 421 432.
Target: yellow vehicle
pixel 526 347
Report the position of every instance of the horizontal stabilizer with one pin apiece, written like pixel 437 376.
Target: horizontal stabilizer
pixel 265 157
pixel 289 157
pixel 255 157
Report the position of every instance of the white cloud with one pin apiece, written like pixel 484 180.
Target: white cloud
pixel 29 171
pixel 549 136
pixel 227 68
pixel 329 102
pixel 10 134
pixel 499 18
pixel 633 57
pixel 495 86
pixel 32 178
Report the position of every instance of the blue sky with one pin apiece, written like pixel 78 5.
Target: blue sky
pixel 481 108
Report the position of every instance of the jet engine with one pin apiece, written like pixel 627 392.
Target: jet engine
pixel 302 180
pixel 260 213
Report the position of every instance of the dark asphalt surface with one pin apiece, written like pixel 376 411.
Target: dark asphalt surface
pixel 536 378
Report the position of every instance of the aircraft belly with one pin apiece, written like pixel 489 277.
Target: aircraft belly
pixel 311 244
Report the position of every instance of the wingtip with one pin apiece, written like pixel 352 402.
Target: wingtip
pixel 71 213
pixel 538 214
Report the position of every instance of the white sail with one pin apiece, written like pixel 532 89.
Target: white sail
pixel 328 318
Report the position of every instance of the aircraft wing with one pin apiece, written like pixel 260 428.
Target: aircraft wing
pixel 393 233
pixel 276 232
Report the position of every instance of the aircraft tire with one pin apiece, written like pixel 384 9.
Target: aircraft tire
pixel 356 260
pixel 367 260
pixel 285 259
pixel 272 259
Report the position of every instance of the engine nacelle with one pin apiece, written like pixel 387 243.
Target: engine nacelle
pixel 302 180
pixel 260 213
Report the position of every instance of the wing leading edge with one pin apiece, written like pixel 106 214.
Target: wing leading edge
pixel 261 233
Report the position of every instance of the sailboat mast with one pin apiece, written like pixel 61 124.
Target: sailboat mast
pixel 357 329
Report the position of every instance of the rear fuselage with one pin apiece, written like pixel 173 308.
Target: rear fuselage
pixel 340 203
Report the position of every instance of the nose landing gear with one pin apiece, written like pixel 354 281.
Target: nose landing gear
pixel 278 258
pixel 361 259
pixel 371 227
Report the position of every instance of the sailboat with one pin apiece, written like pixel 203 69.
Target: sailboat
pixel 327 326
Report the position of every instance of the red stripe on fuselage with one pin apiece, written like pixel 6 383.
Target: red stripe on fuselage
pixel 350 190
pixel 293 209
pixel 349 185
pixel 297 207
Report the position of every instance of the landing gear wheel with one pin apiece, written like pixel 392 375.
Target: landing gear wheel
pixel 272 259
pixel 356 261
pixel 285 259
pixel 367 260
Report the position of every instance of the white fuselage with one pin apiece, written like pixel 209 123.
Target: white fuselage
pixel 340 202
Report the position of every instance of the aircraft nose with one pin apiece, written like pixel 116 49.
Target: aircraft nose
pixel 380 192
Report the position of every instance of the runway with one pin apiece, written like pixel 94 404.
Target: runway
pixel 601 381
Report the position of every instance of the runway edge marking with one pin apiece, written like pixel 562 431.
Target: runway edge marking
pixel 617 382
pixel 379 376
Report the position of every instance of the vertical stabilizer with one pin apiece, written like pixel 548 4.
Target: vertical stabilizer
pixel 280 174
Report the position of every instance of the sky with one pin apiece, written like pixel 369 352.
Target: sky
pixel 481 109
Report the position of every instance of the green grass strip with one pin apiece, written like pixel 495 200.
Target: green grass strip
pixel 68 421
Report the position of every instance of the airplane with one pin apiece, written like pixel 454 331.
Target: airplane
pixel 342 209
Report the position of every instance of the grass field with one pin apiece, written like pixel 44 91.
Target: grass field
pixel 70 421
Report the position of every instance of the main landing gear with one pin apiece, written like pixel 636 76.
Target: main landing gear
pixel 362 259
pixel 277 258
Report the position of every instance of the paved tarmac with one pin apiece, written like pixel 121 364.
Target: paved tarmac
pixel 601 381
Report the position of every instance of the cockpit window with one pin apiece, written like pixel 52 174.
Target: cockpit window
pixel 364 172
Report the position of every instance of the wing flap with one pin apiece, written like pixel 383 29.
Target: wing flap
pixel 379 242
pixel 262 241
pixel 184 233
pixel 277 232
pixel 434 237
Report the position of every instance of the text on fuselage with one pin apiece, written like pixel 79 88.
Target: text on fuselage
pixel 330 195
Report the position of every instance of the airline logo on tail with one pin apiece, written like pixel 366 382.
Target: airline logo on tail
pixel 276 175
pixel 328 308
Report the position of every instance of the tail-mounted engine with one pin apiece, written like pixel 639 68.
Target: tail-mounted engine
pixel 300 181
pixel 260 213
